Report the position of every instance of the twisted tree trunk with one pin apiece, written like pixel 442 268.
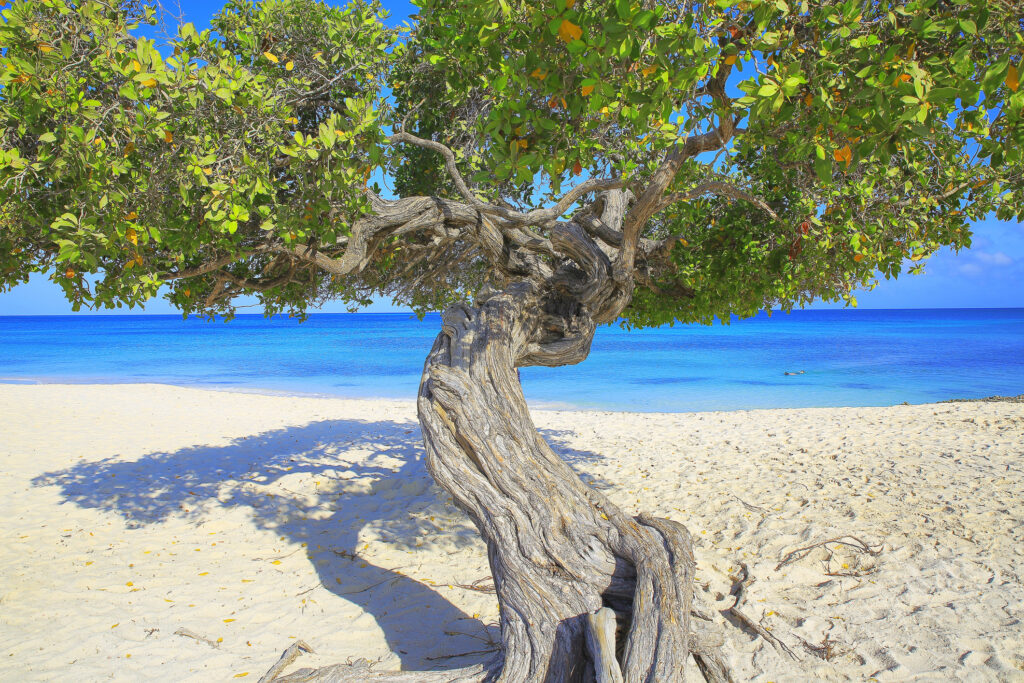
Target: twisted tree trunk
pixel 586 592
pixel 559 551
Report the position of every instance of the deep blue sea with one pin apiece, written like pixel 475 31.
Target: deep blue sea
pixel 847 358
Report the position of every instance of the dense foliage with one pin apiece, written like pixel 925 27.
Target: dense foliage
pixel 856 138
pixel 135 162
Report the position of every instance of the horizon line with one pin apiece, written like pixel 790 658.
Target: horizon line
pixel 413 314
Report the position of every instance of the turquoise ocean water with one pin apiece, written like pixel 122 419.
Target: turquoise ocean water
pixel 848 358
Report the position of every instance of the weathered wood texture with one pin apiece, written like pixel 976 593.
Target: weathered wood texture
pixel 558 549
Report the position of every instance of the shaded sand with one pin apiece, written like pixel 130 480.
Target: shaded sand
pixel 133 512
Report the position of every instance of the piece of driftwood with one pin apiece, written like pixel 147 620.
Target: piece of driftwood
pixel 362 670
pixel 290 655
pixel 195 636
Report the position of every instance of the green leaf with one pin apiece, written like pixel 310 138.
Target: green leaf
pixel 942 94
pixel 823 167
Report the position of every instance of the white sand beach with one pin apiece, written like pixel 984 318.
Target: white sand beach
pixel 160 532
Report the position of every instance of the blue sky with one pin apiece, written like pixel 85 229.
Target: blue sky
pixel 988 275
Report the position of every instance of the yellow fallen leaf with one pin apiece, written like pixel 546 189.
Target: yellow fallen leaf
pixel 203 573
pixel 129 584
pixel 276 562
pixel 88 563
pixel 271 56
pixel 569 31
pixel 228 621
pixel 241 675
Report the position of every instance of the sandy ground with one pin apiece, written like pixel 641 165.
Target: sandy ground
pixel 134 514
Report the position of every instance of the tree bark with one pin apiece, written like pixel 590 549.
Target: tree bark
pixel 558 550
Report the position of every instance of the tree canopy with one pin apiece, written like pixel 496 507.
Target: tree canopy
pixel 769 152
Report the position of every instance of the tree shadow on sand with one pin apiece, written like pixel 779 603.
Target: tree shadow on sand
pixel 357 480
pixel 322 484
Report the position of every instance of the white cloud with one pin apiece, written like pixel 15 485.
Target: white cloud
pixel 996 259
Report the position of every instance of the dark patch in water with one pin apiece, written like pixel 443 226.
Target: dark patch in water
pixel 667 380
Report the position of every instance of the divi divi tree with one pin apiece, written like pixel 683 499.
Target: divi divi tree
pixel 548 166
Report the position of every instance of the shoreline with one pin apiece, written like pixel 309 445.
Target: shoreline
pixel 534 405
pixel 200 533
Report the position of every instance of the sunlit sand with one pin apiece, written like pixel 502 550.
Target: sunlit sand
pixel 193 535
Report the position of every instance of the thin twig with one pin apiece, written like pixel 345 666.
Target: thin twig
pixel 480 585
pixel 462 654
pixel 858 544
pixel 752 508
pixel 737 590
